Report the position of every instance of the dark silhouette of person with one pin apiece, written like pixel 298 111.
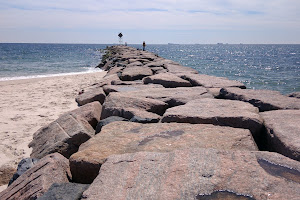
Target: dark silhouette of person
pixel 144 45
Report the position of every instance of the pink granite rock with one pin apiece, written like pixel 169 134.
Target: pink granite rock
pixel 90 112
pixel 197 174
pixel 265 100
pixel 127 137
pixel 135 73
pixel 283 131
pixel 53 168
pixel 211 81
pixel 64 135
pixel 218 112
pixel 168 80
pixel 92 94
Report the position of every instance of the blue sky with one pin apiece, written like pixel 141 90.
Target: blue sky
pixel 155 21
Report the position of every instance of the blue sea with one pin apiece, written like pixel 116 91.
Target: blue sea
pixel 273 67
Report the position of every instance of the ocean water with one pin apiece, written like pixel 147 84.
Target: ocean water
pixel 273 67
pixel 20 61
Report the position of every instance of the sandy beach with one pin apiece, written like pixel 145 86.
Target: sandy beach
pixel 27 105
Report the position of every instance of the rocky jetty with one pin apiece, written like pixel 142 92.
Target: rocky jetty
pixel 153 129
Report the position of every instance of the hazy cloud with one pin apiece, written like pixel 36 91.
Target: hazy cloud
pixel 188 15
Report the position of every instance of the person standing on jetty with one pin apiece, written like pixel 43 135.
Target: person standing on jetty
pixel 144 45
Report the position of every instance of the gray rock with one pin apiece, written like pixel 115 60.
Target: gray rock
pixel 122 105
pixel 23 166
pixel 90 112
pixel 283 132
pixel 192 173
pixel 128 137
pixel 64 191
pixel 37 180
pixel 168 80
pixel 93 94
pixel 218 112
pixel 211 81
pixel 108 120
pixel 64 135
pixel 135 73
pixel 265 100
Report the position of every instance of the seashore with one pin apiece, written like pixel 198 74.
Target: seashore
pixel 153 129
pixel 28 104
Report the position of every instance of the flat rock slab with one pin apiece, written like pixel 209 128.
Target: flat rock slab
pixel 64 135
pixel 196 174
pixel 211 81
pixel 90 112
pixel 172 96
pixel 92 94
pixel 167 80
pixel 135 73
pixel 126 106
pixel 265 100
pixel 129 137
pixel 64 191
pixel 176 68
pixel 218 112
pixel 283 131
pixel 37 180
pixel 128 88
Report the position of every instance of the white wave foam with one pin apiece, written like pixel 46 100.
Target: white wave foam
pixel 89 70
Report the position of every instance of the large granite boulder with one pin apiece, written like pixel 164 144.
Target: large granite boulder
pixel 122 105
pixel 135 73
pixel 63 135
pixel 168 80
pixel 37 180
pixel 129 137
pixel 107 80
pixel 172 96
pixel 283 132
pixel 90 112
pixel 211 81
pixel 93 94
pixel 23 166
pixel 115 70
pixel 265 100
pixel 64 191
pixel 219 112
pixel 197 174
pixel 176 68
pixel 128 88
